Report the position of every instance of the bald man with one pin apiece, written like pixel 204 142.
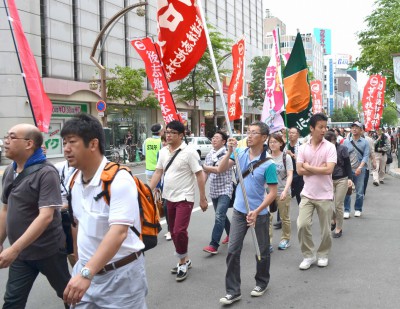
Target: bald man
pixel 30 218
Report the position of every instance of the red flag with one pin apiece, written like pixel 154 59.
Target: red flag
pixel 236 85
pixel 380 100
pixel 181 37
pixel 316 93
pixel 40 103
pixel 369 102
pixel 147 50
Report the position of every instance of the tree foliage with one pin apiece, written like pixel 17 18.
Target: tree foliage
pixel 258 66
pixel 127 86
pixel 194 85
pixel 389 115
pixel 379 41
pixel 345 114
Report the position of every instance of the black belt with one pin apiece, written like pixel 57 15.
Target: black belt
pixel 122 262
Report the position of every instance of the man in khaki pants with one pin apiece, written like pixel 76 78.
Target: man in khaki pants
pixel 316 161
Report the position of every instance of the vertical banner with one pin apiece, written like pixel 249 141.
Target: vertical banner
pixel 298 107
pixel 380 101
pixel 316 94
pixel 38 99
pixel 236 85
pixel 369 102
pixel 147 51
pixel 181 36
pixel 274 100
pixel 396 68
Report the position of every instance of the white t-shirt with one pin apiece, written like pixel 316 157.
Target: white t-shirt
pixel 180 177
pixel 1 144
pixel 95 217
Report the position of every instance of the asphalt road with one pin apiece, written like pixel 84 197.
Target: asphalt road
pixel 363 269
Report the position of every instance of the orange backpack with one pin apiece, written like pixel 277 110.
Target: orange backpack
pixel 149 217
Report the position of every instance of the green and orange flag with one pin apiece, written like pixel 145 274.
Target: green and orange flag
pixel 299 106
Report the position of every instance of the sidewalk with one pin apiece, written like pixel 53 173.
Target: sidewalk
pixel 394 170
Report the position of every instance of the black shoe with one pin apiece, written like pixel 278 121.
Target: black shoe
pixel 278 225
pixel 333 226
pixel 376 183
pixel 174 270
pixel 230 299
pixel 337 235
pixel 381 181
pixel 182 272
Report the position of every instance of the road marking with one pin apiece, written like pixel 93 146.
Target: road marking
pixel 162 222
pixel 139 174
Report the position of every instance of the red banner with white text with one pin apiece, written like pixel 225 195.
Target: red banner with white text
pixel 147 50
pixel 181 37
pixel 372 101
pixel 41 105
pixel 380 101
pixel 316 94
pixel 235 90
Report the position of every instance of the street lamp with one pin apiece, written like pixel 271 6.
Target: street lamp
pixel 111 23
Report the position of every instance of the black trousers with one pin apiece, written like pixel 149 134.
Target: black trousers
pixel 22 274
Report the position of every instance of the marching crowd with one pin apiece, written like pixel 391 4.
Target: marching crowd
pixel 108 264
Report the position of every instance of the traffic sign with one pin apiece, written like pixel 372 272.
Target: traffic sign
pixel 101 106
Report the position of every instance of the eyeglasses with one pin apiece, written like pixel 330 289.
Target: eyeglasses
pixel 252 133
pixel 273 142
pixel 12 137
pixel 171 132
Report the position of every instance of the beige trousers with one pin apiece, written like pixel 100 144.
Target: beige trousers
pixel 379 173
pixel 304 222
pixel 339 190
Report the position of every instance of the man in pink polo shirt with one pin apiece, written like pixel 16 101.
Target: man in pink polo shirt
pixel 315 161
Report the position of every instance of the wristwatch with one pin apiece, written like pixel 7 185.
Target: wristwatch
pixel 85 273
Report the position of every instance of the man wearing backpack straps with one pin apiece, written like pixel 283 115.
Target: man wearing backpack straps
pixel 358 149
pixel 260 171
pixel 30 218
pixel 110 271
pixel 180 164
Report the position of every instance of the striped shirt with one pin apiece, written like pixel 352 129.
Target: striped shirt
pixel 220 184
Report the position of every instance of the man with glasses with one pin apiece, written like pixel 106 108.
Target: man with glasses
pixel 258 200
pixel 220 190
pixel 30 218
pixel 180 165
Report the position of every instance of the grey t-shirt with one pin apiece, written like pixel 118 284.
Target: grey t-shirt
pixel 282 172
pixel 40 189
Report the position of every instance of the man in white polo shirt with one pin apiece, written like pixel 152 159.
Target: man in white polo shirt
pixel 110 272
pixel 180 165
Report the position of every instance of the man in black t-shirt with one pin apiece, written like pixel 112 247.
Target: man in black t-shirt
pixel 292 149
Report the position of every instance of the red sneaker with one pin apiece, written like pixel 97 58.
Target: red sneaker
pixel 210 249
pixel 226 240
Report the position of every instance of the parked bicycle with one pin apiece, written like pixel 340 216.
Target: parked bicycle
pixel 114 154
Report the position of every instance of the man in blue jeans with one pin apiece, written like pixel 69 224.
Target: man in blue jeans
pixel 220 190
pixel 258 216
pixel 359 154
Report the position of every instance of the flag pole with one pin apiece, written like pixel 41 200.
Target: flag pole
pixel 278 38
pixel 244 85
pixel 19 61
pixel 239 171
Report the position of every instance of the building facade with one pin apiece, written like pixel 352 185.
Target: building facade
pixel 61 34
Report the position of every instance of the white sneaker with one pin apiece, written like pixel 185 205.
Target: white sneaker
pixel 322 262
pixel 307 262
pixel 168 236
pixel 357 213
pixel 346 215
